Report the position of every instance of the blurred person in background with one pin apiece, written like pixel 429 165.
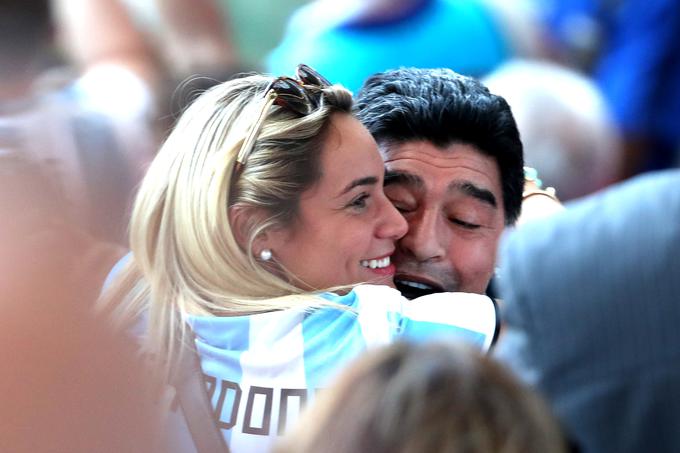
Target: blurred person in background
pixel 90 130
pixel 352 40
pixel 257 27
pixel 69 383
pixel 193 37
pixel 190 38
pixel 630 48
pixel 426 398
pixel 193 45
pixel 204 42
pixel 212 38
pixel 70 145
pixel 591 314
pixel 567 130
pixel 120 44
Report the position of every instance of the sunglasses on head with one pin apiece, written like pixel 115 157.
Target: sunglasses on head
pixel 301 95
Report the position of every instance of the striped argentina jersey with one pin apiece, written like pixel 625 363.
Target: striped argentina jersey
pixel 260 370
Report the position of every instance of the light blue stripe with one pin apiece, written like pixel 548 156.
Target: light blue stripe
pixel 332 337
pixel 424 330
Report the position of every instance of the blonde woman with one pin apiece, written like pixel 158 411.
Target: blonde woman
pixel 262 209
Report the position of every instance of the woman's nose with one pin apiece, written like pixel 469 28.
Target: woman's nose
pixel 393 225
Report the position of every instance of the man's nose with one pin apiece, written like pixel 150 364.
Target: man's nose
pixel 423 241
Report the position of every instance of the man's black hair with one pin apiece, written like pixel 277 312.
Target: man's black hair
pixel 443 108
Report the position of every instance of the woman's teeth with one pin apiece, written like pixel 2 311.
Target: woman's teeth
pixel 376 264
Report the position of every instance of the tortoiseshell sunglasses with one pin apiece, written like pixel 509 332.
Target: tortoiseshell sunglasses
pixel 301 96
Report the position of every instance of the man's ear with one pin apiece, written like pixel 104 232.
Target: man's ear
pixel 243 220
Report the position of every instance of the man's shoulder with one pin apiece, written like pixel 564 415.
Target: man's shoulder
pixel 598 278
pixel 646 206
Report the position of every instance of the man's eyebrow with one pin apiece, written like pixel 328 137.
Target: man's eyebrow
pixel 402 177
pixel 365 181
pixel 474 191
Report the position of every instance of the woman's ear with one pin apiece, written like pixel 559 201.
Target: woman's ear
pixel 244 219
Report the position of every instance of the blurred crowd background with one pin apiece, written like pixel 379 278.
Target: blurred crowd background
pixel 89 89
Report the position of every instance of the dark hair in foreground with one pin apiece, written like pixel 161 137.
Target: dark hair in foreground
pixel 428 398
pixel 443 107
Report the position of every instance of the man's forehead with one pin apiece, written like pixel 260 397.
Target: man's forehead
pixel 420 160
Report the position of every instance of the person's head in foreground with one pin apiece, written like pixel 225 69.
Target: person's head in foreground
pixel 454 169
pixel 267 187
pixel 425 398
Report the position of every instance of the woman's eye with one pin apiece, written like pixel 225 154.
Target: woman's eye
pixel 464 224
pixel 359 202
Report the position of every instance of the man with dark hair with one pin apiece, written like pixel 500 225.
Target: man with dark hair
pixel 454 169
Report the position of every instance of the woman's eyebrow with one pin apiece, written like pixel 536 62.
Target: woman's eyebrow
pixel 365 181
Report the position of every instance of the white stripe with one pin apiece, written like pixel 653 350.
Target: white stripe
pixel 374 304
pixel 275 356
pixel 474 312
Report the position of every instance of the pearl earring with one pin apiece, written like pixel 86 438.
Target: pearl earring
pixel 265 255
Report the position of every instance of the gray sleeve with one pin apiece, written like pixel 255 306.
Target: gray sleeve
pixel 591 314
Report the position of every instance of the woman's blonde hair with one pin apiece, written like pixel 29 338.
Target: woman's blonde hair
pixel 186 257
pixel 426 398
